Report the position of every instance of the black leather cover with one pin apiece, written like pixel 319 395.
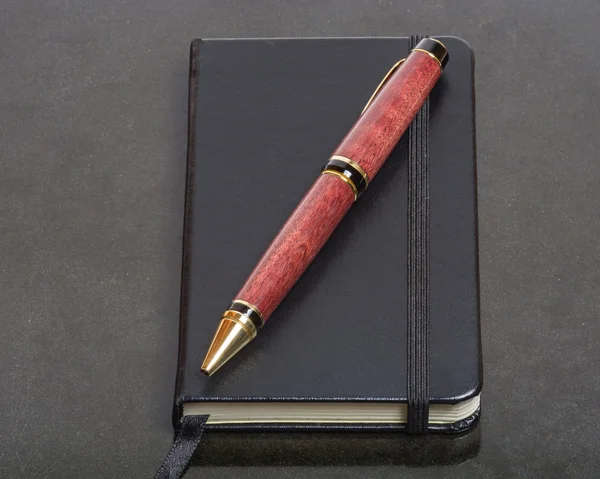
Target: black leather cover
pixel 264 117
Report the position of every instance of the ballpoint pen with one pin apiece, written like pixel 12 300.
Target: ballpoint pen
pixel 344 177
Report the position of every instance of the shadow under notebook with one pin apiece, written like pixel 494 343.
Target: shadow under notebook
pixel 270 448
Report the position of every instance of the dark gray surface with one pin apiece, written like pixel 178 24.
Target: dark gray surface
pixel 92 146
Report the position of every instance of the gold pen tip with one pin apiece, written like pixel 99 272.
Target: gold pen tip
pixel 231 336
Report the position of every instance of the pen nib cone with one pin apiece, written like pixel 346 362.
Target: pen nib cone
pixel 231 336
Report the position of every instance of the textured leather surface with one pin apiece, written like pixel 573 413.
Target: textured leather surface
pixel 267 115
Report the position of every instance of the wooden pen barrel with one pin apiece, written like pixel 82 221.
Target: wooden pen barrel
pixel 367 145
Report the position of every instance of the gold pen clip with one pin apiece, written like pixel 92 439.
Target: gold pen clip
pixel 380 86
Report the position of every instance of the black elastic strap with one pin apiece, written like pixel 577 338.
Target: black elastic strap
pixel 186 441
pixel 418 269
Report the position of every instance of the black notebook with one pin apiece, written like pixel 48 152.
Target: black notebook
pixel 264 117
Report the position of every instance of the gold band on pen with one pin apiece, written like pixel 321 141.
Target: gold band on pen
pixel 250 306
pixel 355 165
pixel 345 179
pixel 349 171
pixel 428 53
pixel 244 321
pixel 435 49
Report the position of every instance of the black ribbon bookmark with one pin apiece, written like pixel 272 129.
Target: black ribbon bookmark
pixel 186 442
pixel 418 269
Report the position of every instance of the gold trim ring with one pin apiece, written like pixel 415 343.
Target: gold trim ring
pixel 345 179
pixel 354 164
pixel 251 306
pixel 430 54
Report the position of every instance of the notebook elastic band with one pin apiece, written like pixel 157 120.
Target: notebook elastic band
pixel 418 269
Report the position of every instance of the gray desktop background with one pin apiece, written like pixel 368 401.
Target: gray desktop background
pixel 93 102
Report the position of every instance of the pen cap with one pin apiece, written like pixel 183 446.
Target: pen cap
pixel 435 48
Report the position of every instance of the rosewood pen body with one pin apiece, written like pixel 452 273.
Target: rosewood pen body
pixel 353 164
